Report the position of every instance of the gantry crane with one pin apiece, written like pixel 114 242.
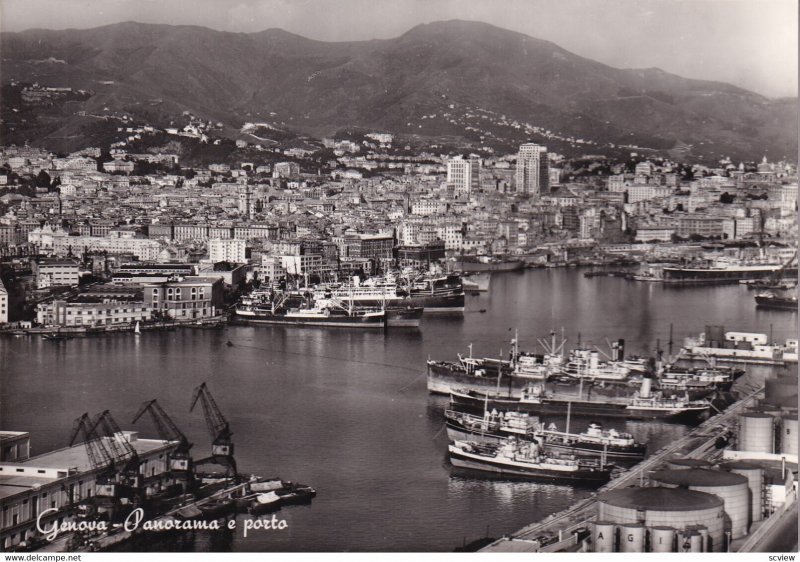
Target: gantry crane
pixel 180 458
pixel 218 428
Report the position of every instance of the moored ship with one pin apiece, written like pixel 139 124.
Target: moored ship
pixel 469 264
pixel 495 427
pixel 297 310
pixel 525 459
pixel 537 400
pixel 774 301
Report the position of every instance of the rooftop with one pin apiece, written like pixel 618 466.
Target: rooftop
pixel 660 499
pixel 698 477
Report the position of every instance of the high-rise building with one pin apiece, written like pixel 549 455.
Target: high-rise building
pixel 463 175
pixel 533 170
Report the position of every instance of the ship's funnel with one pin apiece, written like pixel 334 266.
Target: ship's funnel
pixel 645 391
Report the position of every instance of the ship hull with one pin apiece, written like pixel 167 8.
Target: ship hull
pixel 471 267
pixel 457 432
pixel 556 407
pixel 438 303
pixel 691 276
pixel 488 465
pixel 404 317
pixel 777 303
pixel 368 322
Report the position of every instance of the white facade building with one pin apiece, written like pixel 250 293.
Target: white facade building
pixel 230 250
pixel 533 170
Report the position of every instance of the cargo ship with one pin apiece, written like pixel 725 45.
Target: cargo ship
pixel 525 459
pixel 537 400
pixel 298 310
pixel 472 264
pixel 442 293
pixel 494 427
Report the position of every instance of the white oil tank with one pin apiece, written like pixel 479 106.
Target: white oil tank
pixel 631 537
pixel 755 481
pixel 756 433
pixel 603 536
pixel 789 435
pixel 731 488
pixel 669 507
pixel 662 539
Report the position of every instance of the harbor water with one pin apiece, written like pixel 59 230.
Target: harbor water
pixel 348 412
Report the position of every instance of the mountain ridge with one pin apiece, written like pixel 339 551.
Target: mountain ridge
pixel 448 70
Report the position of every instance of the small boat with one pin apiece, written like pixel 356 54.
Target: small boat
pixel 265 502
pixel 295 493
pixel 137 330
pixel 482 310
pixel 229 344
pixel 526 460
pixel 55 337
pixel 216 508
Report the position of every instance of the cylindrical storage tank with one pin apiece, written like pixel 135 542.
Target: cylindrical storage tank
pixel 755 481
pixel 703 531
pixel 732 489
pixel 756 433
pixel 781 390
pixel 677 464
pixel 789 435
pixel 662 539
pixel 631 537
pixel 693 541
pixel 669 507
pixel 603 534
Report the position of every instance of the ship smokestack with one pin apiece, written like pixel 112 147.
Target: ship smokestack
pixel 645 391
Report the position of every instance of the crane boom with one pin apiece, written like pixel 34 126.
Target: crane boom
pixel 99 457
pixel 121 448
pixel 218 426
pixel 166 428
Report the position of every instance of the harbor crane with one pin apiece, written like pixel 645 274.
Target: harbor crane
pixel 99 457
pixel 218 428
pixel 180 458
pixel 125 458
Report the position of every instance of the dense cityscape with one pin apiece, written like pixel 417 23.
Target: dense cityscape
pixel 643 300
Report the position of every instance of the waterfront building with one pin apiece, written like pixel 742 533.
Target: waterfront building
pixel 700 225
pixel 92 311
pixel 226 250
pixel 463 175
pixel 56 482
pixel 532 174
pixel 185 299
pixel 54 272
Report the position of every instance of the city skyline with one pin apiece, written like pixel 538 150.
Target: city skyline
pixel 749 44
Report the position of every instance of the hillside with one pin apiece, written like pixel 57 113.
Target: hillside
pixel 455 78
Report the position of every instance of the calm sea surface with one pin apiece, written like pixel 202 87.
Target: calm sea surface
pixel 348 412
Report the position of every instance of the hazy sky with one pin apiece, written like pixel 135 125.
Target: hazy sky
pixel 750 43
